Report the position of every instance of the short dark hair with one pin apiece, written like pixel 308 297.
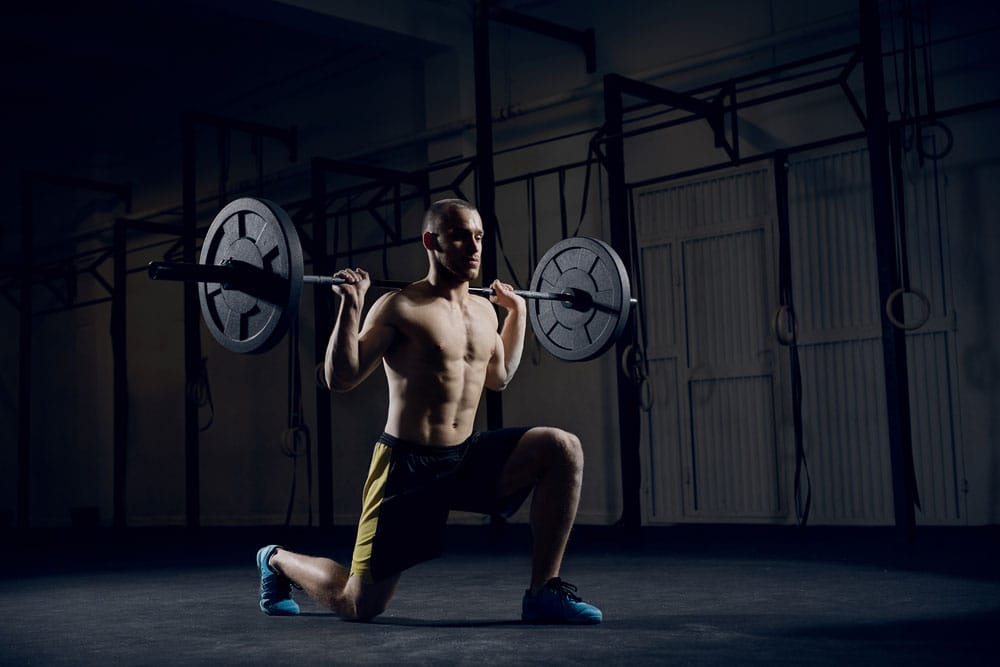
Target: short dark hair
pixel 441 209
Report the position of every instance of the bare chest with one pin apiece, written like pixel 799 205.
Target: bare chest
pixel 449 333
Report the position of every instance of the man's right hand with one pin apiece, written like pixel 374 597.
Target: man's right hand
pixel 354 290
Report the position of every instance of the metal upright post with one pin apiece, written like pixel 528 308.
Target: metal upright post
pixel 893 340
pixel 629 419
pixel 485 179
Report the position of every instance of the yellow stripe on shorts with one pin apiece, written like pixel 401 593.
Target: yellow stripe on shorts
pixel 371 501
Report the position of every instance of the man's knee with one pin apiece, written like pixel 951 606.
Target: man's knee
pixel 566 449
pixel 363 602
pixel 352 609
pixel 365 611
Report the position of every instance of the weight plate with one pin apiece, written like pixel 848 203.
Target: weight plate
pixel 592 266
pixel 260 233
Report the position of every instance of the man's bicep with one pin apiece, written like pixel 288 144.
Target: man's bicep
pixel 377 335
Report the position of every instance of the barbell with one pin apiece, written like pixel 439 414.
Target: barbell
pixel 250 277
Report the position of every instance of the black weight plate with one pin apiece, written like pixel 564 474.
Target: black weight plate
pixel 260 233
pixel 590 265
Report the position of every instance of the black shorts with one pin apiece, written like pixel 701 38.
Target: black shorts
pixel 411 488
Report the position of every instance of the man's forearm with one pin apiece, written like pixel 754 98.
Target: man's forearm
pixel 512 335
pixel 341 366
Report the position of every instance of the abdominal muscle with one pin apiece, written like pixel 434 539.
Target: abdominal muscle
pixel 439 408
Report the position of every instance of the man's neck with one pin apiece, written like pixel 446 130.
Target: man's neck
pixel 447 287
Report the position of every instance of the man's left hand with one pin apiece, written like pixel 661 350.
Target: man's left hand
pixel 505 298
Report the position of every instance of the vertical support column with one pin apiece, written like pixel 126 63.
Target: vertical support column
pixel 485 180
pixel 120 374
pixel 628 394
pixel 893 339
pixel 24 361
pixel 321 319
pixel 192 328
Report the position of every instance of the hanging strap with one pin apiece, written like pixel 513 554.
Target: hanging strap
pixel 591 157
pixel 296 441
pixel 637 368
pixel 506 259
pixel 199 392
pixel 803 483
pixel 533 220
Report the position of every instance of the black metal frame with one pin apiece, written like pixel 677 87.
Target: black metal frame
pixel 904 492
pixel 629 412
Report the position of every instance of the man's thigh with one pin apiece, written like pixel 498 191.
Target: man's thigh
pixel 527 461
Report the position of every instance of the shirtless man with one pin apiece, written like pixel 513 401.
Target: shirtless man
pixel 439 347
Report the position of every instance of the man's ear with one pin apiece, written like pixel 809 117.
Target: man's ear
pixel 430 241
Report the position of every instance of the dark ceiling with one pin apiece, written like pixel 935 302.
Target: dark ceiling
pixel 90 85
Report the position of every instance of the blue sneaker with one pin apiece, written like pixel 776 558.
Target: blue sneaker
pixel 275 589
pixel 556 602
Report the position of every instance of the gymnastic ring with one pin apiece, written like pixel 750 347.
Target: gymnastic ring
pixel 921 321
pixel 948 144
pixel 787 336
pixel 631 363
pixel 645 395
pixel 624 363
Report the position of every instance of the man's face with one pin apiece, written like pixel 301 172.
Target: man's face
pixel 460 243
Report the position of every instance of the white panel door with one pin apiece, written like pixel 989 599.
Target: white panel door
pixel 713 445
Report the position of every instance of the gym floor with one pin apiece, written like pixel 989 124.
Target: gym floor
pixel 720 595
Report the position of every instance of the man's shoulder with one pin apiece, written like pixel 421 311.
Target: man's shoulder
pixel 482 303
pixel 413 295
pixel 402 303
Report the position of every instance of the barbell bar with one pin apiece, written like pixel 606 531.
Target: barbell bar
pixel 572 298
pixel 242 276
pixel 250 277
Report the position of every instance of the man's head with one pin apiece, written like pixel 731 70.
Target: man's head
pixel 453 238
